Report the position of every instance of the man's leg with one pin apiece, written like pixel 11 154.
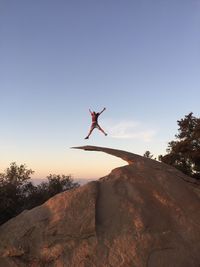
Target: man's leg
pixel 91 129
pixel 101 129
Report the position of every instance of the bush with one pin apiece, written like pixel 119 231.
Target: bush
pixel 184 152
pixel 17 193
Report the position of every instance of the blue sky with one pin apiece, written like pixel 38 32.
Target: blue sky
pixel 139 59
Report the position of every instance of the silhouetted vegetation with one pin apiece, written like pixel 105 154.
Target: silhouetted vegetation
pixel 184 152
pixel 148 154
pixel 18 193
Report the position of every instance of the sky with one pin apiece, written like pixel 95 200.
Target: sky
pixel 139 59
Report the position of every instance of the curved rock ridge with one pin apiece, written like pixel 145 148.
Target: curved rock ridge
pixel 145 214
pixel 127 156
pixel 136 160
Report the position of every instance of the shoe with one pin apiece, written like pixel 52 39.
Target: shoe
pixel 86 137
pixel 106 134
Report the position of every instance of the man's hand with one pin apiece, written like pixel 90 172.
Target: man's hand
pixel 102 110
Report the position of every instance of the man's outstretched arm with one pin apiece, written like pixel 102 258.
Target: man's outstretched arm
pixel 102 110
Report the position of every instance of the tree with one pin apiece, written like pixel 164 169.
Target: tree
pixel 60 183
pixel 12 190
pixel 56 184
pixel 148 154
pixel 18 193
pixel 184 152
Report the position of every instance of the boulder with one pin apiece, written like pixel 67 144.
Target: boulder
pixel 144 214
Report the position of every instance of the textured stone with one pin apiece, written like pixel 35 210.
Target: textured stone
pixel 145 214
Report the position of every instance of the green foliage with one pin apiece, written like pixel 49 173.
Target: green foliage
pixel 59 183
pixel 184 152
pixel 55 184
pixel 17 193
pixel 12 190
pixel 148 154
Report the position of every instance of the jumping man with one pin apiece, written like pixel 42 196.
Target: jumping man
pixel 95 124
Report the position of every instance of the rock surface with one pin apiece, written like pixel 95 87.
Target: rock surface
pixel 145 214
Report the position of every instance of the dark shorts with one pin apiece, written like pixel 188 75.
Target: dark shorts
pixel 95 125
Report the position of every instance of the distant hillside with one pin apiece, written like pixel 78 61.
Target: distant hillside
pixel 80 181
pixel 37 181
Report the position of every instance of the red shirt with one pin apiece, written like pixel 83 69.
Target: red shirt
pixel 95 117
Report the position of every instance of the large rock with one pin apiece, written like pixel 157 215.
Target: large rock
pixel 145 214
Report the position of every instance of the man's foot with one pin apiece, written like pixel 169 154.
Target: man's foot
pixel 87 137
pixel 106 134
